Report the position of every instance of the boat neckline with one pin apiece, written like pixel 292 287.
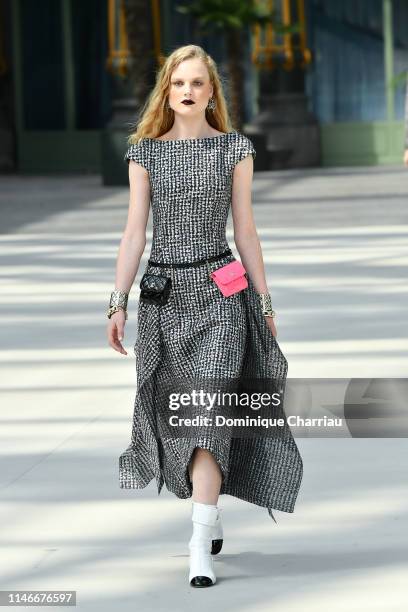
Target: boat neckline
pixel 191 139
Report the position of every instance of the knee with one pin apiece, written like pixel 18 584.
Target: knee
pixel 202 453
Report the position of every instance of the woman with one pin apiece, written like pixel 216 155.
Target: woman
pixel 185 158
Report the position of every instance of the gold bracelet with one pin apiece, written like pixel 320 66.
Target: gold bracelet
pixel 119 298
pixel 118 301
pixel 266 304
pixel 113 309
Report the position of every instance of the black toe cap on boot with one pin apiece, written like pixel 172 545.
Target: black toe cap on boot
pixel 201 581
pixel 216 546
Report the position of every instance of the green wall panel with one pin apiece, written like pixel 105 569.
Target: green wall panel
pixel 351 144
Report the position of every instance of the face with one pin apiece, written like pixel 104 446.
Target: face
pixel 190 81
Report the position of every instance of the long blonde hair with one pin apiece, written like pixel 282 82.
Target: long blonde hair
pixel 156 120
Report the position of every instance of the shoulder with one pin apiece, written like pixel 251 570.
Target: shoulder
pixel 242 140
pixel 139 152
pixel 241 146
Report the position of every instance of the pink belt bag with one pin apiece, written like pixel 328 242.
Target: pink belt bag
pixel 230 278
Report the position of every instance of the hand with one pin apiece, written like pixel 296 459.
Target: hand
pixel 406 157
pixel 271 324
pixel 115 331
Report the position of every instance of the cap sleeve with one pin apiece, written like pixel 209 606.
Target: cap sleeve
pixel 244 147
pixel 138 152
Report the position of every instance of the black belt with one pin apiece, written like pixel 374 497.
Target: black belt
pixel 188 264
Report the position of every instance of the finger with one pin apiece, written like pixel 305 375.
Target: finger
pixel 118 347
pixel 116 344
pixel 111 338
pixel 122 350
pixel 120 331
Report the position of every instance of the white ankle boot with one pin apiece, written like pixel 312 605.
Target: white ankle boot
pixel 204 519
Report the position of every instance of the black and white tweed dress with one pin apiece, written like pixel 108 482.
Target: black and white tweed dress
pixel 199 332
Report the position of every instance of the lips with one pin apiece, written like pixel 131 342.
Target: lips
pixel 188 102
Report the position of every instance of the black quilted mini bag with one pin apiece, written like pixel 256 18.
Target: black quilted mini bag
pixel 155 288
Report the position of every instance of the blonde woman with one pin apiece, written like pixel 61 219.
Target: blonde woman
pixel 187 162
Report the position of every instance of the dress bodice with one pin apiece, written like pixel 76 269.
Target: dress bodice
pixel 190 192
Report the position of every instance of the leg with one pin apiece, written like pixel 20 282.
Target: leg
pixel 205 474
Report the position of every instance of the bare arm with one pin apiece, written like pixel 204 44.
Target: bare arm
pixel 245 235
pixel 131 246
pixel 133 241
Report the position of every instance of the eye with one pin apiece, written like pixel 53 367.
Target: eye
pixel 181 82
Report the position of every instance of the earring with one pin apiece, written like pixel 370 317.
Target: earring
pixel 211 104
pixel 167 106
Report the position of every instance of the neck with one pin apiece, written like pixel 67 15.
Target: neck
pixel 183 128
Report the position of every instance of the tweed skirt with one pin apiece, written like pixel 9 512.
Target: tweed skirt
pixel 200 334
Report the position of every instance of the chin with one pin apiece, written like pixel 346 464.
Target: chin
pixel 188 112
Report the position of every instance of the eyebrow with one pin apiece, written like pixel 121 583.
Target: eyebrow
pixel 196 77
